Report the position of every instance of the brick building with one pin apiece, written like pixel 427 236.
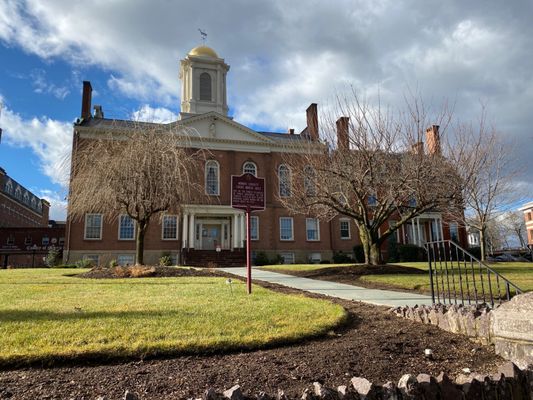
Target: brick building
pixel 528 215
pixel 194 236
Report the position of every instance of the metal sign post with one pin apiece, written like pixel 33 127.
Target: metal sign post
pixel 248 194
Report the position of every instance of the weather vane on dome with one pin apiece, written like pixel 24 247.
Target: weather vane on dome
pixel 203 34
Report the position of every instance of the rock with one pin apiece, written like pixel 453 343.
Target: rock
pixel 130 396
pixel 408 386
pixel 389 391
pixel 308 394
pixel 324 392
pixel 347 393
pixel 234 393
pixel 264 396
pixel 428 387
pixel 211 394
pixel 365 389
pixel 473 389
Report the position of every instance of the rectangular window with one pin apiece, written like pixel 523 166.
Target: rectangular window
pixel 288 258
pixel 93 226
pixel 529 216
pixel 170 227
pixel 285 228
pixel 454 232
pixel 311 228
pixel 254 228
pixel 126 228
pixel 27 241
pixel 126 259
pixel 10 240
pixel 61 241
pixel 315 258
pixel 95 258
pixel 45 240
pixel 345 228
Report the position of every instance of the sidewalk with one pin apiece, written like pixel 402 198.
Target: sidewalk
pixel 340 290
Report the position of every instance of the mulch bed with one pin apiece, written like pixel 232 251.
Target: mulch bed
pixel 373 344
pixel 351 274
pixel 148 272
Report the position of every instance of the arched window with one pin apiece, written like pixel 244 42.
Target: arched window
pixel 249 168
pixel 284 175
pixel 18 193
pixel 309 181
pixel 205 86
pixel 9 187
pixel 26 198
pixel 212 177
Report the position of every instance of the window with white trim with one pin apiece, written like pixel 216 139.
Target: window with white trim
pixel 28 240
pixel 10 240
pixel 311 229
pixel 372 200
pixel 285 228
pixel 454 232
pixel 345 228
pixel 315 258
pixel 288 258
pixel 9 187
pixel 45 241
pixel 249 167
pixel 212 178
pixel 93 226
pixel 254 227
pixel 95 258
pixel 309 181
pixel 170 227
pixel 126 259
pixel 284 176
pixel 126 228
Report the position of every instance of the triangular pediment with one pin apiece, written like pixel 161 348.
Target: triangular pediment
pixel 217 127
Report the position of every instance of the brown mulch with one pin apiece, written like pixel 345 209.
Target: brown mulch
pixel 148 272
pixel 350 275
pixel 373 344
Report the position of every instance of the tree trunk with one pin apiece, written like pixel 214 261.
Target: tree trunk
pixel 371 246
pixel 482 243
pixel 139 242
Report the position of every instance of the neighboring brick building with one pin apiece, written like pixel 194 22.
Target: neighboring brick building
pixel 18 206
pixel 194 235
pixel 528 215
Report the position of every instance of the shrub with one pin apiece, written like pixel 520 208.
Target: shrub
pixel 121 272
pixel 52 258
pixel 261 258
pixel 165 260
pixel 410 252
pixel 342 258
pixel 113 263
pixel 85 263
pixel 212 265
pixel 475 251
pixel 278 259
pixel 359 253
pixel 141 271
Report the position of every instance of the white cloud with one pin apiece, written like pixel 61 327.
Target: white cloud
pixel 49 139
pixel 58 204
pixel 148 114
pixel 41 85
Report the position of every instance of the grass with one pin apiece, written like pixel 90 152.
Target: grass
pixel 520 273
pixel 47 316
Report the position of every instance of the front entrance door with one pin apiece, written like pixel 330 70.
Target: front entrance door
pixel 211 236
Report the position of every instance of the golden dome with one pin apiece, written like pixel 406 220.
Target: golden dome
pixel 203 51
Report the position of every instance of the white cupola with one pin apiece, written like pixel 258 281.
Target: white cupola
pixel 203 83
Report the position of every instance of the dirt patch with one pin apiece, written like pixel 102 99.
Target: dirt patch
pixel 351 275
pixel 373 344
pixel 148 272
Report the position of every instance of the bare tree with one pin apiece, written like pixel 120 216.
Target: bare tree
pixel 370 165
pixel 142 170
pixel 484 162
pixel 514 225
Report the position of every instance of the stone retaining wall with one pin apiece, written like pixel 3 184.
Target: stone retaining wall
pixel 510 383
pixel 509 327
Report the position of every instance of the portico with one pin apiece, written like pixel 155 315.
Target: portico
pixel 425 228
pixel 208 227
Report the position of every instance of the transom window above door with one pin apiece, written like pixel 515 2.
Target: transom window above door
pixel 249 167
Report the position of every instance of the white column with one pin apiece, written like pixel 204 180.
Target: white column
pixel 192 231
pixel 402 241
pixel 185 232
pixel 234 230
pixel 418 232
pixel 441 230
pixel 243 230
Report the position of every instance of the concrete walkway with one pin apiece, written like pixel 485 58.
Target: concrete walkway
pixel 340 290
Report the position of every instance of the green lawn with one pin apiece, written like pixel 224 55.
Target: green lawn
pixel 520 273
pixel 48 316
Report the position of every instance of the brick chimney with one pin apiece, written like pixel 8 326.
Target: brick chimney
pixel 312 122
pixel 343 141
pixel 418 148
pixel 291 131
pixel 86 100
pixel 433 140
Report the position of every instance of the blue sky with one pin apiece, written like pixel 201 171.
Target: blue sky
pixel 283 57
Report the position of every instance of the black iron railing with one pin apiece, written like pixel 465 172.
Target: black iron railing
pixel 457 277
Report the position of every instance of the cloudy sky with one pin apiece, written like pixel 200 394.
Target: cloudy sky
pixel 283 56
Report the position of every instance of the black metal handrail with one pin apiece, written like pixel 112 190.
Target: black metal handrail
pixel 457 277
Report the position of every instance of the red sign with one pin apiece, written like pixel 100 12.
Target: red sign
pixel 247 192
